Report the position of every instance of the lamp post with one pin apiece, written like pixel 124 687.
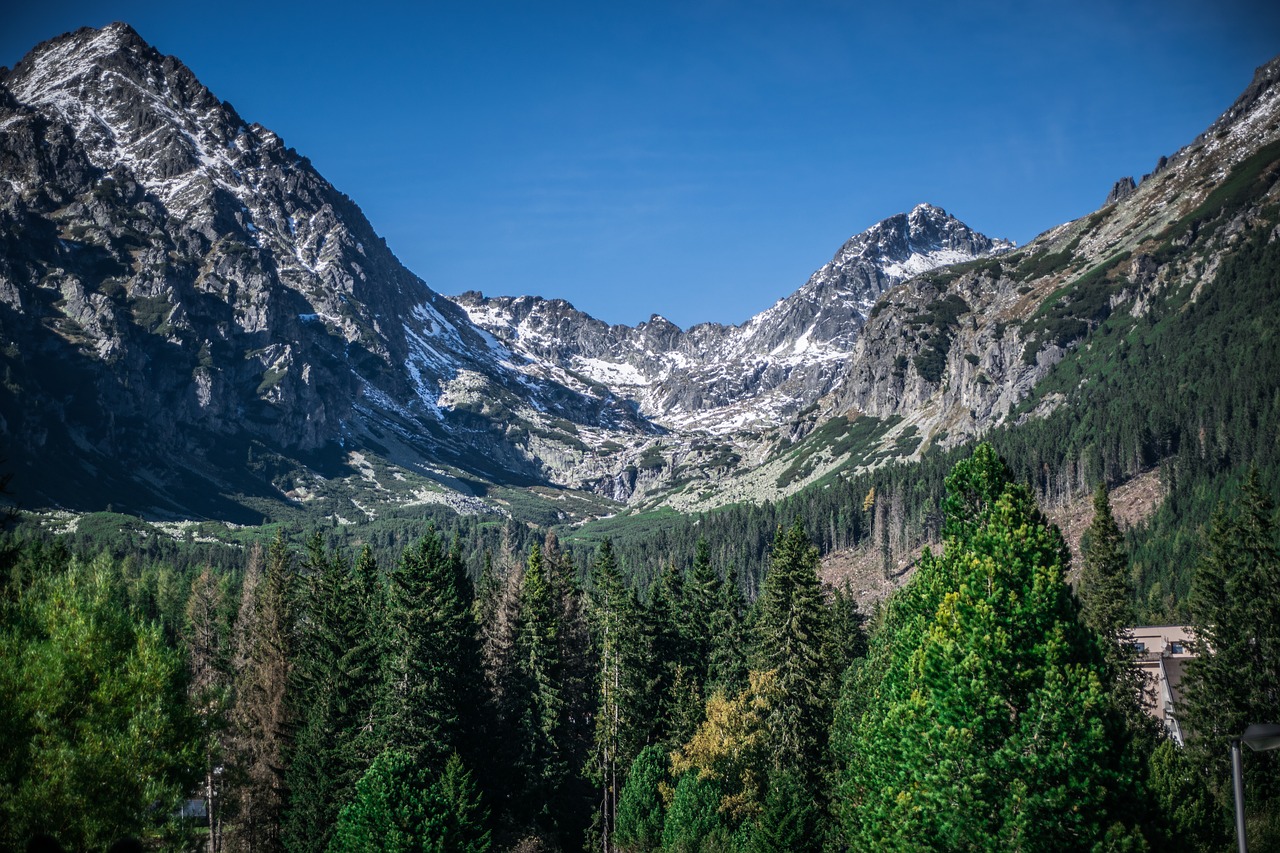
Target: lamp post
pixel 1260 737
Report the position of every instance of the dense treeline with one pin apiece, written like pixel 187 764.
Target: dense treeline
pixel 331 702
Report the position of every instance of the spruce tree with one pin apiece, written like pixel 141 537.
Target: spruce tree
pixel 575 736
pixel 336 682
pixel 792 633
pixel 791 819
pixel 727 662
pixel 208 657
pixel 671 651
pixel 1105 591
pixel 1105 606
pixel 694 822
pixel 315 778
pixel 431 700
pixel 387 810
pixel 361 666
pixel 542 719
pixel 455 816
pixel 621 684
pixel 702 599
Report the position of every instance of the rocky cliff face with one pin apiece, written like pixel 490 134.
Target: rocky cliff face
pixel 722 379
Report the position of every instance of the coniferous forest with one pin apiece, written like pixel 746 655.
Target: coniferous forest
pixel 319 699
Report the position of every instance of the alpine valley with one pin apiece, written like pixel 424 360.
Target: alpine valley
pixel 198 326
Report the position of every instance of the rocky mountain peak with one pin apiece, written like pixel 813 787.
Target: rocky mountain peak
pixel 129 105
pixel 908 244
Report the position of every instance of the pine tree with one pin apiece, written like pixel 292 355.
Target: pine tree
pixel 361 665
pixel 693 822
pixel 848 637
pixel 670 650
pixel 455 816
pixel 791 819
pixel 395 809
pixel 335 680
pixel 620 724
pixel 1187 816
pixel 1105 606
pixel 702 599
pixel 98 742
pixel 387 810
pixel 578 672
pixel 1105 591
pixel 727 664
pixel 989 726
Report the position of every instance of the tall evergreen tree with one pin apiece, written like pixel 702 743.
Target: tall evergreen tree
pixel 1105 591
pixel 335 679
pixel 702 598
pixel 578 674
pixel 848 637
pixel 541 725
pixel 792 634
pixel 387 810
pixel 1105 606
pixel 361 665
pixel 432 697
pixel 990 726
pixel 98 742
pixel 456 817
pixel 694 821
pixel 621 686
pixel 641 812
pixel 671 650
pixel 727 664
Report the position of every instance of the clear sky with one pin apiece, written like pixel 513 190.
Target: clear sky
pixel 698 158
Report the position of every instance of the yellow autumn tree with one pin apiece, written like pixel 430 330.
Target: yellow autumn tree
pixel 731 746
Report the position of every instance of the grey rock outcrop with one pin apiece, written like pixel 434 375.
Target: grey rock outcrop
pixel 1120 190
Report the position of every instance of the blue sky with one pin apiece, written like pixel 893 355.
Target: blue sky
pixel 698 159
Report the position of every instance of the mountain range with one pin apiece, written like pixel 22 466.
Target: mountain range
pixel 196 324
